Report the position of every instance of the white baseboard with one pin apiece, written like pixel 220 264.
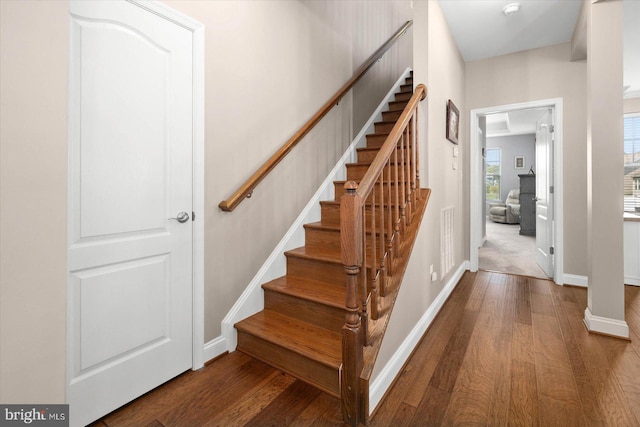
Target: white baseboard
pixel 572 279
pixel 575 280
pixel 634 281
pixel 252 300
pixel 214 348
pixel 605 325
pixel 384 380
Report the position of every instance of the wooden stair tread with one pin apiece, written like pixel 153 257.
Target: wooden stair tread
pixel 335 228
pixel 319 225
pixel 392 183
pixel 368 163
pixel 333 203
pixel 320 254
pixel 318 344
pixel 336 203
pixel 308 289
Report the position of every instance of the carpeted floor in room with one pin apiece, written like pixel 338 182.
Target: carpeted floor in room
pixel 507 251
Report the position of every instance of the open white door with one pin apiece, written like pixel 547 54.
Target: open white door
pixel 130 254
pixel 544 192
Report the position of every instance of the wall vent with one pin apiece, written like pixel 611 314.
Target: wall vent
pixel 446 240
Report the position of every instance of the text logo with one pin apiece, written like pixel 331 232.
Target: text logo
pixel 34 415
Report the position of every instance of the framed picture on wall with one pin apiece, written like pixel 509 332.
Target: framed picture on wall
pixel 518 162
pixel 453 122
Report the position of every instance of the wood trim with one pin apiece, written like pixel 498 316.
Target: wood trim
pixel 397 156
pixel 247 188
pixel 370 178
pixel 605 326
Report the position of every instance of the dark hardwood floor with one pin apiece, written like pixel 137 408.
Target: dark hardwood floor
pixel 504 350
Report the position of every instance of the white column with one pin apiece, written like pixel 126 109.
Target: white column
pixel 605 308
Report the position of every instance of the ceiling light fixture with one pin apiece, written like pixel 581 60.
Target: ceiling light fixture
pixel 511 8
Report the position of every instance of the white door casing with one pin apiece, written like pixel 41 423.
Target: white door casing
pixel 544 196
pixel 133 128
pixel 476 179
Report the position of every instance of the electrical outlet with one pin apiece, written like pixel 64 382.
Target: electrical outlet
pixel 431 269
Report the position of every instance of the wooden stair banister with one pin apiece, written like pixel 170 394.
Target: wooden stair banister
pixel 318 326
pixel 247 188
pixel 396 164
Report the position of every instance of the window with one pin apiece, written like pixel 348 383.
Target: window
pixel 631 161
pixel 492 177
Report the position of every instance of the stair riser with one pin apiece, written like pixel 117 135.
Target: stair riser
pixel 406 87
pixel 303 368
pixel 355 172
pixel 339 189
pixel 320 238
pixel 391 116
pixel 320 271
pixel 397 105
pixel 325 316
pixel 402 96
pixel 383 127
pixel 367 156
pixel 376 140
pixel 408 81
pixel 380 128
pixel 331 214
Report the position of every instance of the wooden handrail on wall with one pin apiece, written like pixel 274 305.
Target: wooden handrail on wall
pixel 246 189
pixel 373 218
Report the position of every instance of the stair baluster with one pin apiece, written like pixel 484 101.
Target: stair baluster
pixel 396 155
pixel 389 225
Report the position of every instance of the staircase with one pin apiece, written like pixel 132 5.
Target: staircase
pixel 300 329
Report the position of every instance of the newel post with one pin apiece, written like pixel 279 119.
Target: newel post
pixel 352 352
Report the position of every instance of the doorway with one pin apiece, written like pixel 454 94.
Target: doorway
pixel 534 247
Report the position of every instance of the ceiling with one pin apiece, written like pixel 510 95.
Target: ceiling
pixel 518 122
pixel 482 30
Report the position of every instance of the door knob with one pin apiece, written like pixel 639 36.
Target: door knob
pixel 182 217
pixel 535 199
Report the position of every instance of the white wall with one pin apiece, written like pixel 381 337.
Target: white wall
pixel 605 152
pixel 631 105
pixel 536 74
pixel 386 17
pixel 511 146
pixel 33 200
pixel 438 64
pixel 269 66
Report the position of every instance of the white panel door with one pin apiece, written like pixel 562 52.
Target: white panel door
pixel 544 196
pixel 130 171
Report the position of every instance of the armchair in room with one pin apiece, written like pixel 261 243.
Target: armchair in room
pixel 507 212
